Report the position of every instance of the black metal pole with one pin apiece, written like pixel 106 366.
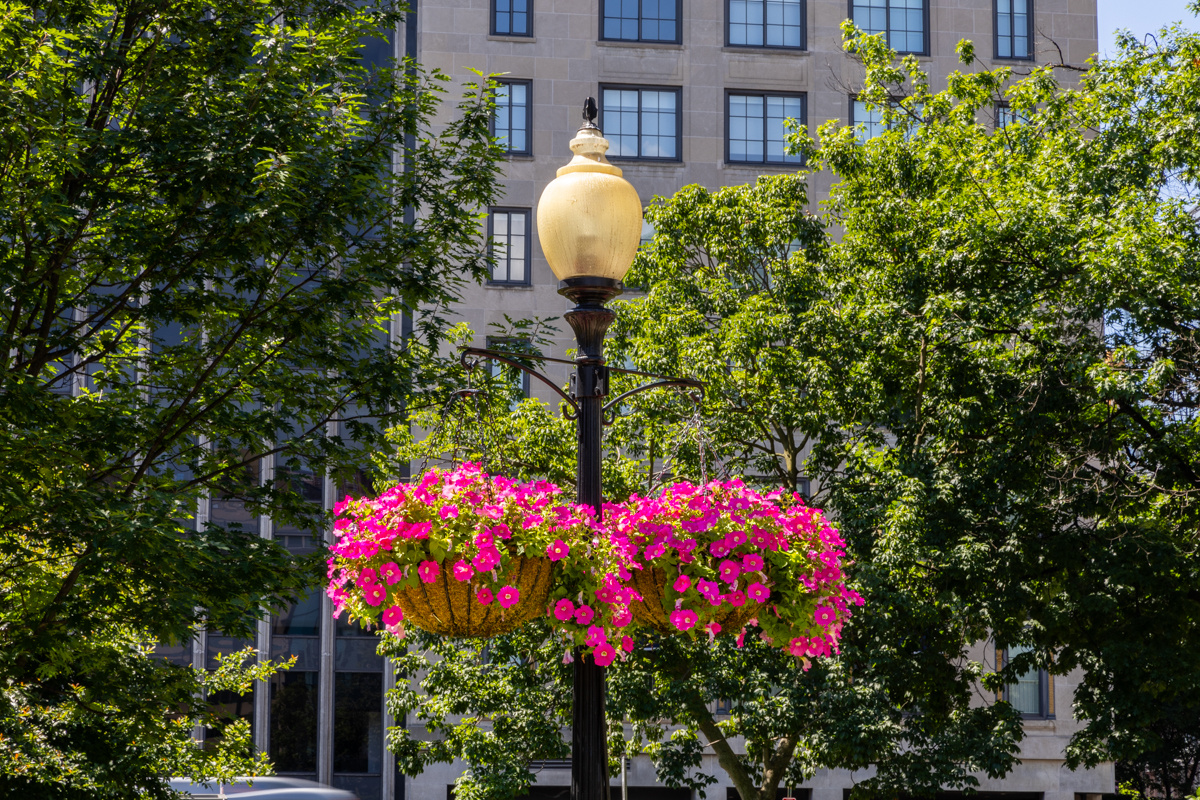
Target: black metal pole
pixel 590 320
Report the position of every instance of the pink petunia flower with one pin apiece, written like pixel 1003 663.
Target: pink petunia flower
pixel 729 571
pixel 390 572
pixel 595 636
pixel 604 654
pixel 741 638
pixel 584 615
pixel 709 589
pixel 508 596
pixel 735 599
pixel 429 571
pixel 627 644
pixel 622 618
pixel 557 550
pixel 682 583
pixel 502 531
pixel 393 616
pixel 448 512
pixel 484 539
pixel 683 619
pixel 825 616
pixel 374 594
pixel 752 562
pixel 487 559
pixel 367 576
pixel 463 571
pixel 484 596
pixel 757 592
pixel 563 610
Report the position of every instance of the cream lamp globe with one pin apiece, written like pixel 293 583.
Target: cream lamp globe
pixel 589 218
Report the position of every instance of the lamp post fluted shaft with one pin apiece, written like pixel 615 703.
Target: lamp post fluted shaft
pixel 589 319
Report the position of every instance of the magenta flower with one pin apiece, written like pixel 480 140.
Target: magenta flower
pixel 508 596
pixel 622 618
pixel 374 594
pixel 393 616
pixel 463 571
pixel 390 572
pixel 367 576
pixel 502 531
pixel 487 559
pixel 484 596
pixel 604 654
pixel 627 644
pixel 683 619
pixel 757 592
pixel 682 584
pixel 584 615
pixel 735 599
pixel 595 636
pixel 825 616
pixel 752 562
pixel 729 571
pixel 483 539
pixel 741 638
pixel 448 512
pixel 563 610
pixel 709 589
pixel 557 550
pixel 428 571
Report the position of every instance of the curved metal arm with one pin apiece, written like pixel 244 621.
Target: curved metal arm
pixel 679 382
pixel 482 353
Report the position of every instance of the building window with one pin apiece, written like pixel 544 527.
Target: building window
pixel 518 379
pixel 511 124
pixel 640 122
pixel 508 230
pixel 1033 692
pixel 1005 116
pixel 868 120
pixel 640 20
pixel 512 17
pixel 902 21
pixel 765 23
pixel 755 131
pixel 1014 33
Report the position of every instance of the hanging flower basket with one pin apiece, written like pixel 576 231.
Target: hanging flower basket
pixel 715 559
pixel 459 553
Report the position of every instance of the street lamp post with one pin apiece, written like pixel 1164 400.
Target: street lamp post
pixel 589 223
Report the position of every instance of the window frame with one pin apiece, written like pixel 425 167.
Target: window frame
pixel 528 84
pixel 1045 689
pixel 784 47
pixel 803 97
pixel 491 219
pixel 492 12
pixel 678 26
pixel 996 33
pixel 925 38
pixel 678 90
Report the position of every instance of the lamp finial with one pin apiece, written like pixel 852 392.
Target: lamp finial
pixel 589 114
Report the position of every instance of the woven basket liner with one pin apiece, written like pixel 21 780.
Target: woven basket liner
pixel 651 584
pixel 448 607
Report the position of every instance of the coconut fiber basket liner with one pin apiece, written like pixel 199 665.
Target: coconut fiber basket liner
pixel 651 584
pixel 448 607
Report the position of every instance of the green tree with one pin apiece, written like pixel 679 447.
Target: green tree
pixel 202 245
pixel 1024 309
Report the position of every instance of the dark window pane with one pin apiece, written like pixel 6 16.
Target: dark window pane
pixel 218 644
pixel 300 619
pixel 294 721
pixel 306 649
pixel 228 706
pixel 175 653
pixel 358 722
pixel 358 655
